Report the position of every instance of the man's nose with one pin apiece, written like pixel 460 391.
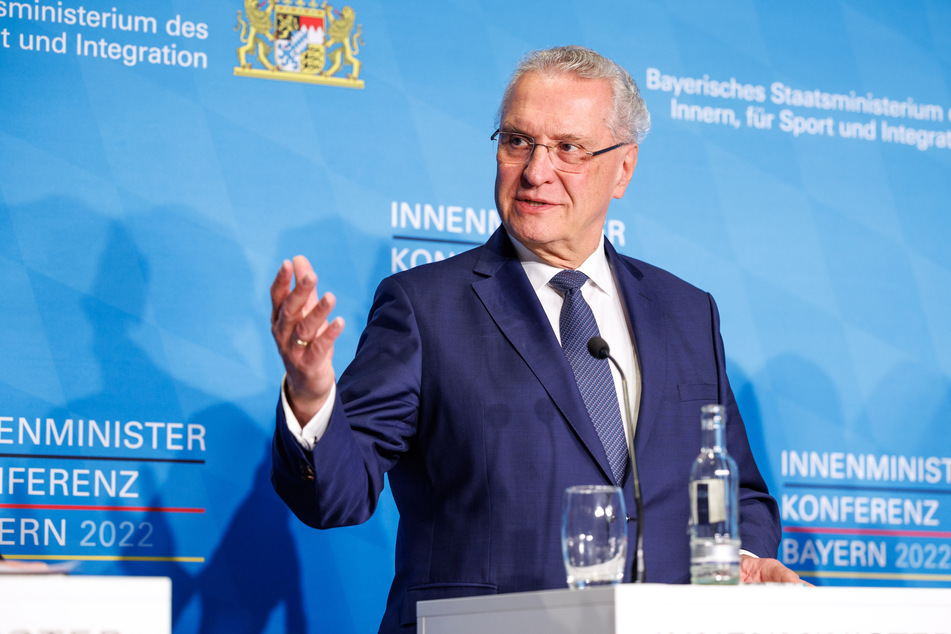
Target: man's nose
pixel 539 167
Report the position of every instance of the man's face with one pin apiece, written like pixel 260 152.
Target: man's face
pixel 559 216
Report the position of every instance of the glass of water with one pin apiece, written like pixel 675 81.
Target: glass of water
pixel 594 536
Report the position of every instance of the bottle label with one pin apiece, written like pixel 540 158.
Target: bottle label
pixel 708 501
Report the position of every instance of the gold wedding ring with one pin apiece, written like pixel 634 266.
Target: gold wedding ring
pixel 301 342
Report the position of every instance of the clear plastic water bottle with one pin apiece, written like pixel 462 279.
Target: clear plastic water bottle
pixel 714 512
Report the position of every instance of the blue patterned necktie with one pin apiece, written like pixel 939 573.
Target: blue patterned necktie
pixel 593 375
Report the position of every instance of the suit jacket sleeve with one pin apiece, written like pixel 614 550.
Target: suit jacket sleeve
pixel 339 482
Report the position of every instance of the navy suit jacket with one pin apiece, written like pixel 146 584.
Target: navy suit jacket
pixel 460 391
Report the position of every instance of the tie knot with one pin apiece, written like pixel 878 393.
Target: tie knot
pixel 568 280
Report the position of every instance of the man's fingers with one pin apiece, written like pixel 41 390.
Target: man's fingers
pixel 280 287
pixel 333 330
pixel 297 302
pixel 766 570
pixel 308 280
pixel 314 323
pixel 321 345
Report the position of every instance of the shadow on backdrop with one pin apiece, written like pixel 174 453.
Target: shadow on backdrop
pixel 120 353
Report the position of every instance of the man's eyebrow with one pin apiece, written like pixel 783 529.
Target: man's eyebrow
pixel 511 129
pixel 567 136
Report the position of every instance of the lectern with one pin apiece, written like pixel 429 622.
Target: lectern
pixel 88 604
pixel 684 609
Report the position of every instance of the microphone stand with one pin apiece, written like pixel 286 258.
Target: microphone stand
pixel 599 349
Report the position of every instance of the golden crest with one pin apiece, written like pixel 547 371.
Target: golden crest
pixel 294 40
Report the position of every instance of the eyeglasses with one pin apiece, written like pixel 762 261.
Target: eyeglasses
pixel 517 149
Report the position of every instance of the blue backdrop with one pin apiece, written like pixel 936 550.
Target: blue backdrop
pixel 799 168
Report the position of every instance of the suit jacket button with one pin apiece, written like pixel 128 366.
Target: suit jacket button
pixel 306 471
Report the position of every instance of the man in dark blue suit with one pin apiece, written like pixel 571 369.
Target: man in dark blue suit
pixel 460 389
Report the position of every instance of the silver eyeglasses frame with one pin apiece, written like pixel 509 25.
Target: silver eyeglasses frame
pixel 552 149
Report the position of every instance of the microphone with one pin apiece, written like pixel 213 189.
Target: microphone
pixel 599 349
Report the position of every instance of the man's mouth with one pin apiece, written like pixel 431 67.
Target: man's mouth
pixel 532 203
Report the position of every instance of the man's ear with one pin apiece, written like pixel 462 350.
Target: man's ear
pixel 626 170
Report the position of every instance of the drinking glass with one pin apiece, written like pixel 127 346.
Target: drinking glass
pixel 594 536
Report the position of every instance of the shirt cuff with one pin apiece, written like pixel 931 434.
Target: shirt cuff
pixel 308 435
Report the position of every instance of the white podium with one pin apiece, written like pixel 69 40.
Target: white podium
pixel 684 609
pixel 75 603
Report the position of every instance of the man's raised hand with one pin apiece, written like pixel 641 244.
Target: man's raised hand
pixel 304 337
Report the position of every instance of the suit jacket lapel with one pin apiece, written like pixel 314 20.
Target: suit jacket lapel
pixel 650 341
pixel 511 301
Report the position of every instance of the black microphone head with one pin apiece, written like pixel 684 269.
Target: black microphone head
pixel 598 348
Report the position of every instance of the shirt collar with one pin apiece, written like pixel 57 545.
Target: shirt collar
pixel 596 267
